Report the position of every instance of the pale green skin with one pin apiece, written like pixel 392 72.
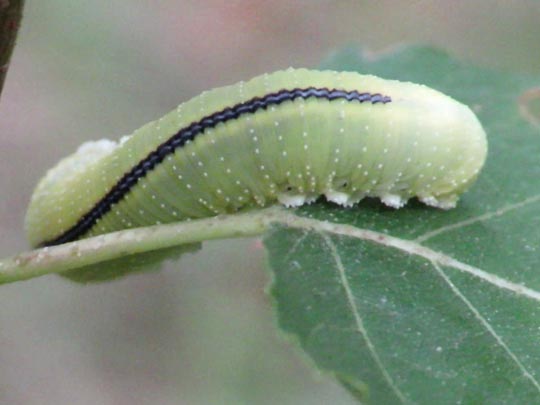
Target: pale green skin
pixel 422 144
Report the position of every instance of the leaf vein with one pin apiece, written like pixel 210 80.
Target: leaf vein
pixel 414 248
pixel 358 318
pixel 486 325
pixel 479 218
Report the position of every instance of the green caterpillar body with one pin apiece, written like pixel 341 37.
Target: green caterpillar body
pixel 288 137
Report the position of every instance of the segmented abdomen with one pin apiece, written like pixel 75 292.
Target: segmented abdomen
pixel 290 137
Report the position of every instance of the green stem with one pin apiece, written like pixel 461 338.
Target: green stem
pixel 118 244
pixel 10 19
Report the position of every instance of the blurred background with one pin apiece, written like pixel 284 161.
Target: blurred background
pixel 202 330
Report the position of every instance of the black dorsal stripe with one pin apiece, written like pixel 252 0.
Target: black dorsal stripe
pixel 179 139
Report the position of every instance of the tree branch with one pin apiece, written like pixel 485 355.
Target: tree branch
pixel 10 19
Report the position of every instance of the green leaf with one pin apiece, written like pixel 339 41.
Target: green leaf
pixel 420 305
